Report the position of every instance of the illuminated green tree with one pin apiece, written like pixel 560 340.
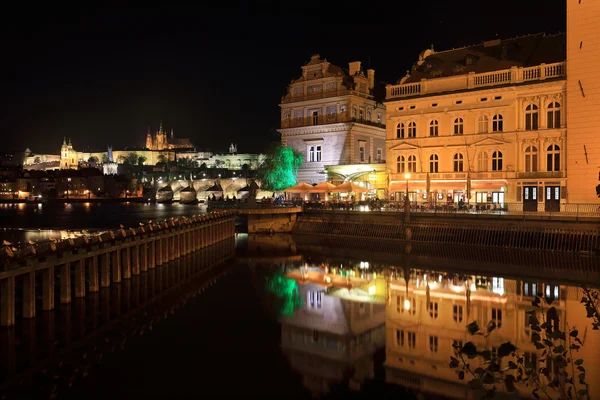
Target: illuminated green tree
pixel 280 167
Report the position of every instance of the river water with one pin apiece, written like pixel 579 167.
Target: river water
pixel 295 317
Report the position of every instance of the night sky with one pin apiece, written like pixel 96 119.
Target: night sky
pixel 215 73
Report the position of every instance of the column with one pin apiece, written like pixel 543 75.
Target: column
pixel 116 266
pixel 7 293
pixel 65 283
pixel 152 256
pixel 48 289
pixel 165 247
pixel 172 247
pixel 126 263
pixel 105 270
pixel 158 255
pixel 92 270
pixel 80 278
pixel 29 295
pixel 143 257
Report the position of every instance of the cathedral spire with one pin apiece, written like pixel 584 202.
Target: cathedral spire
pixel 160 130
pixel 172 133
pixel 64 141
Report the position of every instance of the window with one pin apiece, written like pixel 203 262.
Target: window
pixel 400 131
pixel 482 124
pixel 412 129
pixel 497 97
pixel 318 153
pixel 482 161
pixel 433 163
pixel 458 126
pixel 399 337
pixel 433 344
pixel 497 125
pixel 498 285
pixel 553 115
pixel 483 99
pixel 553 158
pixel 361 152
pixel 412 163
pixel 379 152
pixel 311 154
pixel 412 339
pixel 315 117
pixel 458 102
pixel 378 118
pixel 434 104
pixel 315 299
pixel 497 317
pixel 531 117
pixel 433 309
pixel 368 115
pixel 458 162
pixel 529 289
pixel 497 161
pixel 360 114
pixel 433 128
pixel 458 313
pixel 531 159
pixel 400 164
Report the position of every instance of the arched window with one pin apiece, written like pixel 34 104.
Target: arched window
pixel 531 159
pixel 434 163
pixel 553 116
pixel 368 115
pixel 497 124
pixel 458 162
pixel 400 131
pixel 553 158
pixel 482 124
pixel 531 117
pixel 497 161
pixel 433 128
pixel 412 129
pixel 412 163
pixel 482 161
pixel 400 164
pixel 459 126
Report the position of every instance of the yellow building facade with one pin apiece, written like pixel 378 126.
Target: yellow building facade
pixel 484 123
pixel 583 105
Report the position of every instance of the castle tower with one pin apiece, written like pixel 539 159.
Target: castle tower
pixel 68 156
pixel 583 97
pixel 161 138
pixel 149 142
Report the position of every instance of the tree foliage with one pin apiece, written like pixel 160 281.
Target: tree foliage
pixel 559 371
pixel 280 167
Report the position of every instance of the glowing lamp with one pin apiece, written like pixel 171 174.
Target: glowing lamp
pixel 371 290
pixel 407 304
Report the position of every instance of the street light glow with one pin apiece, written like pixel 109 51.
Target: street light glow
pixel 407 176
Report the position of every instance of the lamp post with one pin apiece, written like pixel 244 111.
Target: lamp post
pixel 406 200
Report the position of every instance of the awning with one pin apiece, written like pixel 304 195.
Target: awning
pixel 437 186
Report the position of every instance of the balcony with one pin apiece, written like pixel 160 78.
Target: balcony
pixel 514 75
pixel 325 119
pixel 418 176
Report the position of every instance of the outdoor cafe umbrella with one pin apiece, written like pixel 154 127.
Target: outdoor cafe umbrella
pixel 323 187
pixel 301 187
pixel 349 187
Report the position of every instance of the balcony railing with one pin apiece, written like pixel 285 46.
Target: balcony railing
pixel 540 175
pixel 454 175
pixel 471 80
pixel 325 119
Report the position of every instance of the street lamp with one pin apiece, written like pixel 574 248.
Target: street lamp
pixel 406 200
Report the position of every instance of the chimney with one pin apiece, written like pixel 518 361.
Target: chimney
pixel 371 77
pixel 354 67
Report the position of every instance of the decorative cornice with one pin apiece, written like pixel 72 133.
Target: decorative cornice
pixel 304 130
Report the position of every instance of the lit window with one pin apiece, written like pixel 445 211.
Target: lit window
pixel 311 154
pixel 400 131
pixel 412 163
pixel 482 161
pixel 497 123
pixel 361 151
pixel 458 313
pixel 400 164
pixel 497 317
pixel 379 152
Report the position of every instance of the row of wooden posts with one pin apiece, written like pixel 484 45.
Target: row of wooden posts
pixel 95 261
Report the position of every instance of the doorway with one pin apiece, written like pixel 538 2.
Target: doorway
pixel 552 198
pixel 530 199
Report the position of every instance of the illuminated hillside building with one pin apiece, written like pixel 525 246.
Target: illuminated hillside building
pixel 160 140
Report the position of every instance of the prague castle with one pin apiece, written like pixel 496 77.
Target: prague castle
pixel 160 140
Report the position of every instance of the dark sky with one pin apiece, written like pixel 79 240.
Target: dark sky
pixel 214 73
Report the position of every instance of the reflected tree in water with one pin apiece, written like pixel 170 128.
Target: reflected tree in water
pixel 286 292
pixel 560 370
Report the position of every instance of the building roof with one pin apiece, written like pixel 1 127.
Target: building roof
pixel 493 55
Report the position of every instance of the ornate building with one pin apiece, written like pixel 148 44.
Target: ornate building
pixel 583 92
pixel 482 123
pixel 331 116
pixel 110 167
pixel 160 141
pixel 68 156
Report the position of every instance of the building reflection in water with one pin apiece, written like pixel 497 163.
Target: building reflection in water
pixel 348 313
pixel 332 336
